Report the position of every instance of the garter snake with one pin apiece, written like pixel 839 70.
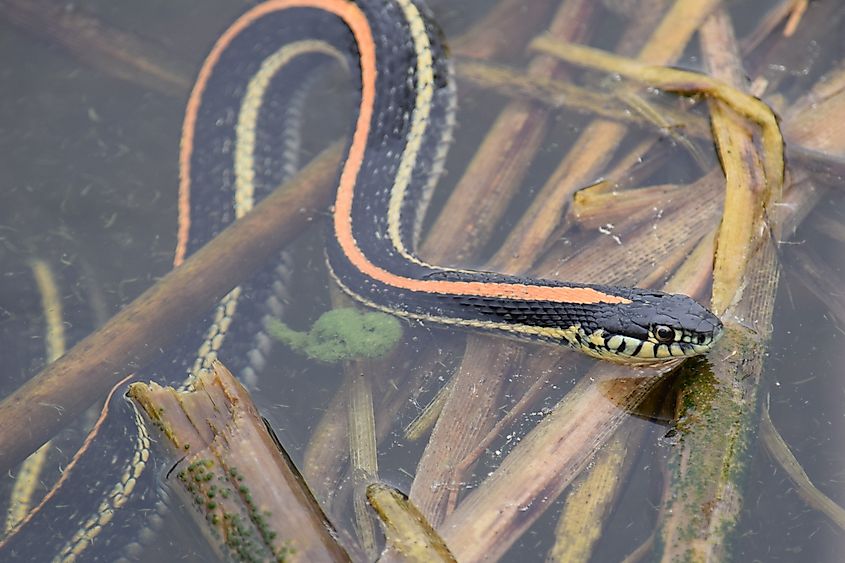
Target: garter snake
pixel 401 133
pixel 395 56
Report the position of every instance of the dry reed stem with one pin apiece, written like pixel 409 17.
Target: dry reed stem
pixel 325 454
pixel 675 80
pixel 592 497
pixel 766 24
pixel 812 131
pixel 363 457
pixel 746 194
pixel 562 94
pixel 505 504
pixel 434 486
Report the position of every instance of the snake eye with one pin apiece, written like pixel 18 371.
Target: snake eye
pixel 664 334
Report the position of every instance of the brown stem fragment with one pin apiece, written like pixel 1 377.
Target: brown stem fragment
pixel 702 497
pixel 410 538
pixel 241 485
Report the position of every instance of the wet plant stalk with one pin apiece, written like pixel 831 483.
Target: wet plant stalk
pixel 703 495
pixel 408 535
pixel 483 40
pixel 242 488
pixel 362 457
pixel 29 475
pixel 591 499
pixel 562 94
pixel 675 80
pixel 786 459
pixel 745 188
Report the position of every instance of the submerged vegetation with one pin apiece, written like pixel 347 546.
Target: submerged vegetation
pixel 342 335
pixel 639 174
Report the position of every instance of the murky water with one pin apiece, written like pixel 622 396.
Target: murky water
pixel 89 189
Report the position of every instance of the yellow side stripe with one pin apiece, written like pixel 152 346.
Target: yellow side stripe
pixel 29 474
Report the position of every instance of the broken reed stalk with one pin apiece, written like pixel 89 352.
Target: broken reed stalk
pixel 239 485
pixel 556 93
pixel 686 82
pixel 409 537
pixel 703 496
pixel 716 408
pixel 593 496
pixel 363 457
pixel 37 410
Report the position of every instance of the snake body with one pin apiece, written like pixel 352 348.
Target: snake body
pixel 401 133
pixel 236 145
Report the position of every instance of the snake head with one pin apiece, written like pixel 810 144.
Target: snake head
pixel 651 327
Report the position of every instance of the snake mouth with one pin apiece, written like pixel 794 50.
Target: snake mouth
pixel 648 351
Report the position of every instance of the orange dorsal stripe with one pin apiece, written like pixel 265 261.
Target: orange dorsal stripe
pixel 357 22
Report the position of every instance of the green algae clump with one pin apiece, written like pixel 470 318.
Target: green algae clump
pixel 342 334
